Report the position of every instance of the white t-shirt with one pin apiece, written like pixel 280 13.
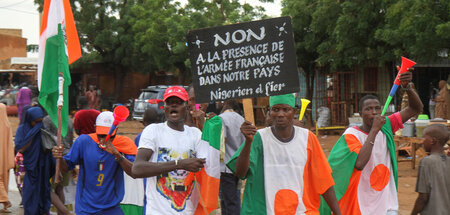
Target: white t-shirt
pixel 166 194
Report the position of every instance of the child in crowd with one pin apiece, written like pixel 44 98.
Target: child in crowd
pixel 433 181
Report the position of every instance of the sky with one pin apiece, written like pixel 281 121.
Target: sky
pixel 22 14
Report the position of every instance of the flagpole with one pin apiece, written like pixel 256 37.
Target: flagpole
pixel 59 138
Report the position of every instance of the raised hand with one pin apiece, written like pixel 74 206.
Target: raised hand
pixel 109 147
pixel 405 77
pixel 249 131
pixel 378 122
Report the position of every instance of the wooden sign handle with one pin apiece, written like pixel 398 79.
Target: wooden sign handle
pixel 248 109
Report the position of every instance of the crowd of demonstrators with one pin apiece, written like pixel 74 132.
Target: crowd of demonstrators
pixel 7 157
pixel 364 160
pixel 100 185
pixel 280 162
pixel 433 181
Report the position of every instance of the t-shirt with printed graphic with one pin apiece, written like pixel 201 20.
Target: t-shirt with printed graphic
pixel 167 194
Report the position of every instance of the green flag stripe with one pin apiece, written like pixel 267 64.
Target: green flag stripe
pixel 55 61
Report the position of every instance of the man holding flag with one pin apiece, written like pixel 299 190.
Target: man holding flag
pixel 364 160
pixel 169 154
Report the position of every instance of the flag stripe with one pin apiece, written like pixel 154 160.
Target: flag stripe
pixel 73 43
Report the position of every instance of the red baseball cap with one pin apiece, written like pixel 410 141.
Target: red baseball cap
pixel 177 91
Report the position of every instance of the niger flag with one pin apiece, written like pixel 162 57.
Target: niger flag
pixel 372 190
pixel 208 179
pixel 284 177
pixel 59 46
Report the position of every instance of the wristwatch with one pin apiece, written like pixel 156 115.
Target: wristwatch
pixel 120 159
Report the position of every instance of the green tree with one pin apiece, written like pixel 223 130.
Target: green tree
pixel 418 29
pixel 160 28
pixel 311 20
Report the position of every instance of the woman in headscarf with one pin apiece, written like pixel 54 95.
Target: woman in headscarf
pixel 7 157
pixel 19 169
pixel 39 166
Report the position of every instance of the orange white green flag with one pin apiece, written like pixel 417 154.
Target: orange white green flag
pixel 207 181
pixel 372 190
pixel 59 46
pixel 284 177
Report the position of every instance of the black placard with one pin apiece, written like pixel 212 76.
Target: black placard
pixel 251 59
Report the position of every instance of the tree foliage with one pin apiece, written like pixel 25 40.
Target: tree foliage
pixel 339 35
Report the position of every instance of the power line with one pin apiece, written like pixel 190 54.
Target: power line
pixel 21 11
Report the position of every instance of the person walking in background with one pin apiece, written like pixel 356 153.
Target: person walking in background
pixel 39 166
pixel 230 196
pixel 84 119
pixel 92 97
pixel 23 98
pixel 19 168
pixel 442 101
pixel 432 102
pixel 6 157
pixel 433 180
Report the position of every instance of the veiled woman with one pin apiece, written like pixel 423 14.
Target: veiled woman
pixel 39 166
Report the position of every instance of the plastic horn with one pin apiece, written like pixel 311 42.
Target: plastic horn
pixel 120 114
pixel 305 103
pixel 406 64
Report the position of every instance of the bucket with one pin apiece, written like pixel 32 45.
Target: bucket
pixel 408 129
pixel 421 124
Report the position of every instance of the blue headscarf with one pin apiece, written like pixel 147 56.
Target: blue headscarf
pixel 26 133
pixel 39 165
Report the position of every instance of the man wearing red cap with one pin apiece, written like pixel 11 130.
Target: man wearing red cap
pixel 100 186
pixel 166 155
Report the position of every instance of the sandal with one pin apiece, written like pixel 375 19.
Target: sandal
pixel 6 204
pixel 4 210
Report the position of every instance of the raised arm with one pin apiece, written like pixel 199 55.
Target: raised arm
pixel 243 161
pixel 415 106
pixel 142 168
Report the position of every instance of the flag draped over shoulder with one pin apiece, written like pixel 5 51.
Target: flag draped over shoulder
pixel 59 46
pixel 208 179
pixel 342 160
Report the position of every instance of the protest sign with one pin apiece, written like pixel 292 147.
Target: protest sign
pixel 244 60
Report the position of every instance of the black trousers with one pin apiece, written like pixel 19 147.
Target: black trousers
pixel 230 196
